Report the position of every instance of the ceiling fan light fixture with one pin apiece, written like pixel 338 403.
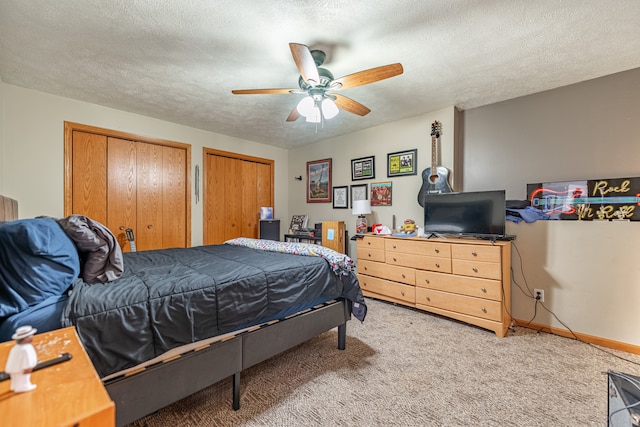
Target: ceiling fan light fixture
pixel 314 116
pixel 329 108
pixel 305 106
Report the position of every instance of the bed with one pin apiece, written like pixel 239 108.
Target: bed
pixel 175 321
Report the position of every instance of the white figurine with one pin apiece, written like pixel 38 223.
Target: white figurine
pixel 22 359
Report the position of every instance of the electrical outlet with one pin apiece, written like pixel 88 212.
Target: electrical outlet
pixel 538 294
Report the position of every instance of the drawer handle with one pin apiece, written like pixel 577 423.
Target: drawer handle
pixel 394 259
pixel 484 290
pixel 475 270
pixel 369 255
pixel 394 246
pixel 427 281
pixel 369 243
pixel 437 250
pixel 404 277
pixel 402 293
pixel 437 265
pixel 365 268
pixel 427 298
pixel 484 310
pixel 474 253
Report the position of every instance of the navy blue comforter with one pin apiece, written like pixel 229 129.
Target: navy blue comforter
pixel 167 298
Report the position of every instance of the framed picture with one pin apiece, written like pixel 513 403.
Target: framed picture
pixel 341 197
pixel 359 192
pixel 319 181
pixel 381 194
pixel 298 222
pixel 402 163
pixel 363 168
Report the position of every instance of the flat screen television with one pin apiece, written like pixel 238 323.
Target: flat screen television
pixel 474 213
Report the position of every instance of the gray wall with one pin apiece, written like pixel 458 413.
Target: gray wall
pixel 591 130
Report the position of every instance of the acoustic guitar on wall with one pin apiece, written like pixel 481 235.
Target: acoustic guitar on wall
pixel 436 178
pixel 130 237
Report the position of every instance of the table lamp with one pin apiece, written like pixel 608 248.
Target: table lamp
pixel 361 208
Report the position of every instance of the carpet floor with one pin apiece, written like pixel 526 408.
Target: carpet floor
pixel 403 367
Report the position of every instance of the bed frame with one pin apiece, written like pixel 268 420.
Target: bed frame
pixel 156 386
pixel 159 385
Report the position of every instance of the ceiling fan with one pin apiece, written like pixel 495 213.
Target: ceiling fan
pixel 319 84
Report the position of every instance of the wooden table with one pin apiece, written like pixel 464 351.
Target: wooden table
pixel 67 394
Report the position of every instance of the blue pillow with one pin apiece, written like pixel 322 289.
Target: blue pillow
pixel 37 260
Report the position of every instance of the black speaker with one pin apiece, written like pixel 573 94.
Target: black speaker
pixel 270 229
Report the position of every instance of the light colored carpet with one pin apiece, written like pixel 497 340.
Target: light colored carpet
pixel 408 368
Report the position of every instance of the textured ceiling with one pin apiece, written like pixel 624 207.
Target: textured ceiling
pixel 179 60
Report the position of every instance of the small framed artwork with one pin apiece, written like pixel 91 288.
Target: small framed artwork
pixel 363 168
pixel 381 193
pixel 341 197
pixel 359 192
pixel 402 163
pixel 319 181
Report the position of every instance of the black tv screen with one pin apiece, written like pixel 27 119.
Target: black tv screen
pixel 465 213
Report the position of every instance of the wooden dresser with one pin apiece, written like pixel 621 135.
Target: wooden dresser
pixel 467 280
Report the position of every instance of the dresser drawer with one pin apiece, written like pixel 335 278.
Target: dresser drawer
pixel 377 287
pixel 371 242
pixel 486 309
pixel 422 262
pixel 483 253
pixel 471 286
pixel 386 271
pixel 488 270
pixel 370 254
pixel 421 247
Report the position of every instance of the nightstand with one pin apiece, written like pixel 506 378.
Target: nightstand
pixel 67 394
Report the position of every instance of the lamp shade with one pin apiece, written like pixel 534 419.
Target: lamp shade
pixel 329 108
pixel 361 207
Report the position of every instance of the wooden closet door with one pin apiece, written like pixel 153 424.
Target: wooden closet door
pixel 149 174
pixel 250 208
pixel 174 209
pixel 129 181
pixel 232 187
pixel 214 199
pixel 89 163
pixel 122 189
pixel 235 187
pixel 264 185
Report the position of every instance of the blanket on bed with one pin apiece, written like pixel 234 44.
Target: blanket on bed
pixel 170 297
pixel 341 264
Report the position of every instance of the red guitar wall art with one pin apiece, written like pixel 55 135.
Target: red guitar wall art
pixel 566 201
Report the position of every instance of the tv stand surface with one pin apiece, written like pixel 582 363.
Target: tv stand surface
pixel 464 279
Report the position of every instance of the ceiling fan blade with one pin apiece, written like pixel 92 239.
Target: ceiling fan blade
pixel 261 91
pixel 350 105
pixel 294 115
pixel 305 63
pixel 367 76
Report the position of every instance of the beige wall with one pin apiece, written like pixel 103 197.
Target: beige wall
pixel 407 134
pixel 32 157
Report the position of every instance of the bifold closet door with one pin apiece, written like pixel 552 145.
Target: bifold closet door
pixel 129 184
pixel 235 187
